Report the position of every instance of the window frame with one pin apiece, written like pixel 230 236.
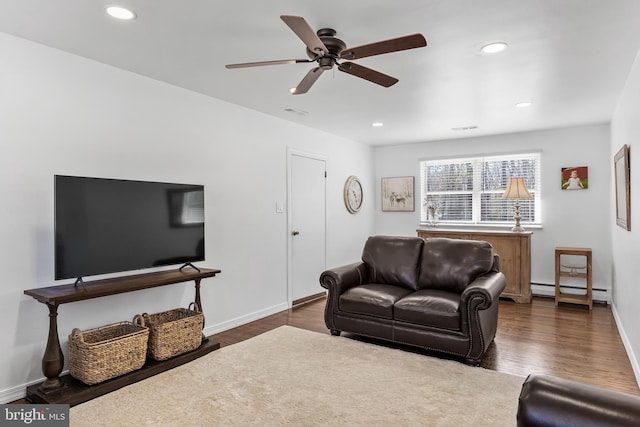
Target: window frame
pixel 477 191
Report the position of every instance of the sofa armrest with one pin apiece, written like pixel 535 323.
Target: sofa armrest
pixel 479 304
pixel 488 287
pixel 552 401
pixel 338 280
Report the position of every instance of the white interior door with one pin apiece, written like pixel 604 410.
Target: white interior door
pixel 307 224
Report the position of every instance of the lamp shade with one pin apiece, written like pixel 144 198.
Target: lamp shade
pixel 516 189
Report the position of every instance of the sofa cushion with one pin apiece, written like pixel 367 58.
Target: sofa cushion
pixel 393 260
pixel 372 299
pixel 430 307
pixel 451 264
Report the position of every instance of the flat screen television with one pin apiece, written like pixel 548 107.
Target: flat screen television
pixel 111 225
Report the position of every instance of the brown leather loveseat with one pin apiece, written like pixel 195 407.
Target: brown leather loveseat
pixel 548 401
pixel 435 293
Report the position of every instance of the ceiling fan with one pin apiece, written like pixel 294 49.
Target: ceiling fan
pixel 327 50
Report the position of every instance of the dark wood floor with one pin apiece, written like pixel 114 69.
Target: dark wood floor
pixel 567 341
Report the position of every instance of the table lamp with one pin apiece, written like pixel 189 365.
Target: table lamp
pixel 516 189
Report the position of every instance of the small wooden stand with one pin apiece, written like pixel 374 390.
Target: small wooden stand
pixel 65 389
pixel 587 275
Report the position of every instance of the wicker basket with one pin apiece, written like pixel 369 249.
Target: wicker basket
pixel 99 354
pixel 174 332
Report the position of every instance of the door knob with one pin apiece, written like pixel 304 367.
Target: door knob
pixel 295 232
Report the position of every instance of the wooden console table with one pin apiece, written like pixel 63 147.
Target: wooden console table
pixel 515 256
pixel 66 389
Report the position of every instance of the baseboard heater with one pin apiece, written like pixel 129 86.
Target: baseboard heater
pixel 602 297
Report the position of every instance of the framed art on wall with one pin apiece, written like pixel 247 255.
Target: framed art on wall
pixel 622 173
pixel 398 194
pixel 575 178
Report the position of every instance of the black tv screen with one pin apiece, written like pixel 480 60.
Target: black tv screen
pixel 110 225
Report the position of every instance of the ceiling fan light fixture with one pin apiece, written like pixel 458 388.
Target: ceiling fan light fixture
pixel 121 13
pixel 496 47
pixel 327 50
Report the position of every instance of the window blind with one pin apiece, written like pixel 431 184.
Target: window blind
pixel 469 190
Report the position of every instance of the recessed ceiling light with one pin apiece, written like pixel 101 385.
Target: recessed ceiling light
pixel 494 47
pixel 377 124
pixel 524 104
pixel 120 12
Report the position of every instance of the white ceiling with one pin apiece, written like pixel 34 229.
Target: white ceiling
pixel 569 57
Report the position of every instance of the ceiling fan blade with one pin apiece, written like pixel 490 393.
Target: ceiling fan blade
pixel 308 81
pixel 261 63
pixel 368 74
pixel 305 33
pixel 387 46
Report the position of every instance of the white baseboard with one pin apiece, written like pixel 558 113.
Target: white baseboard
pixel 20 391
pixel 239 321
pixel 635 363
pixel 14 393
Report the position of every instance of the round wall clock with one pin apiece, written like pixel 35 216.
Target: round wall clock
pixel 353 194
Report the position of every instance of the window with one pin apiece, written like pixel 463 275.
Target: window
pixel 469 190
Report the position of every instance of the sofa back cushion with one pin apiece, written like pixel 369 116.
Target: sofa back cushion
pixel 393 260
pixel 451 264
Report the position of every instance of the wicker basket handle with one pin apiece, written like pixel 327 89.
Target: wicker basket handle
pixel 139 319
pixel 77 334
pixel 196 308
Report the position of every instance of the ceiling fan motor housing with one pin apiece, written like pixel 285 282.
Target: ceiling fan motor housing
pixel 333 44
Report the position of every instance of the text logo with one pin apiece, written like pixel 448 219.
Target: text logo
pixel 34 415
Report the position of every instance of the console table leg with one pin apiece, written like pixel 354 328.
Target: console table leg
pixel 197 300
pixel 53 359
pixel 199 304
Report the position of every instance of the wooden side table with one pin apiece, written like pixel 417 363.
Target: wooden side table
pixel 573 272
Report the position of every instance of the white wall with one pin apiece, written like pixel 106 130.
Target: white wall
pixel 63 114
pixel 570 218
pixel 625 249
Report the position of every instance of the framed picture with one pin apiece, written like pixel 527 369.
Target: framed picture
pixel 575 178
pixel 398 194
pixel 621 170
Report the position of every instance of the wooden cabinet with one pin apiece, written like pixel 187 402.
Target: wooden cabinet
pixel 515 256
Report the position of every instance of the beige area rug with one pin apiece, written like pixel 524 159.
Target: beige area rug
pixel 290 376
